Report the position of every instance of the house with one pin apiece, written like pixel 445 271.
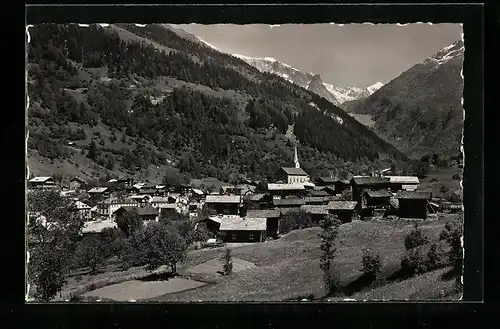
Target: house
pixel 103 207
pixel 272 220
pixel 280 191
pixel 344 210
pixel 341 185
pixel 317 193
pixel 142 199
pixel 99 193
pixel 413 204
pixel 42 183
pixel 246 189
pixel 224 204
pixel 243 229
pixel 77 184
pixel 229 189
pixel 256 201
pixel 128 182
pixel 197 195
pixel 158 201
pixel 361 183
pixel 148 213
pixel 82 209
pixel 150 190
pixel 292 175
pixel 212 223
pixel 405 183
pixel 116 204
pixel 317 213
pixel 326 181
pixel 375 202
pixel 288 203
pixel 166 209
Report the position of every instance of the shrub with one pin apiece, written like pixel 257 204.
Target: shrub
pixel 227 267
pixel 436 257
pixel 372 264
pixel 416 238
pixel 452 234
pixel 414 262
pixel 455 176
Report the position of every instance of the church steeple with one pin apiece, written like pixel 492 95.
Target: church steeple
pixel 296 159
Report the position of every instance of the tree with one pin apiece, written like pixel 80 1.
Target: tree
pixel 129 222
pixel 294 220
pixel 160 245
pixel 372 264
pixel 90 252
pixel 227 267
pixel 328 235
pixel 346 195
pixel 452 234
pixel 416 238
pixel 92 154
pixel 53 232
pixel 111 163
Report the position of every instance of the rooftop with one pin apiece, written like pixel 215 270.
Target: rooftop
pixel 80 205
pixel 368 180
pixel 267 213
pixel 403 179
pixel 292 171
pixel 316 199
pixel 315 210
pixel 147 211
pixel 379 194
pixel 243 224
pixel 414 195
pixel 342 205
pixel 40 179
pixel 97 226
pixel 222 199
pixel 98 190
pixel 285 187
pixel 289 202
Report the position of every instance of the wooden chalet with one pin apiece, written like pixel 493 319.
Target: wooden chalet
pixel 224 204
pixel 272 220
pixel 77 184
pixel 288 203
pixel 116 204
pixel 359 184
pixel 99 193
pixel 82 209
pixel 317 213
pixel 375 203
pixel 413 204
pixel 317 200
pixel 257 201
pixel 229 189
pixel 403 183
pixel 243 229
pixel 42 182
pixel 344 210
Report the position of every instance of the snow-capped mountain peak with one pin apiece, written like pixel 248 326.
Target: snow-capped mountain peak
pixel 376 86
pixel 447 53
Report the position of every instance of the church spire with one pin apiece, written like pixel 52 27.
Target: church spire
pixel 296 159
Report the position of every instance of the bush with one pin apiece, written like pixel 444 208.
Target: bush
pixel 436 257
pixel 414 262
pixel 456 177
pixel 372 264
pixel 227 267
pixel 416 238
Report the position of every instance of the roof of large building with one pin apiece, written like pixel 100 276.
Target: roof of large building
pixel 243 224
pixel 254 197
pixel 222 199
pixel 318 193
pixel 159 199
pixel 289 202
pixel 368 180
pixel 379 194
pixel 315 210
pixel 403 179
pixel 285 187
pixel 292 171
pixel 267 213
pixel 147 211
pixel 316 199
pixel 414 195
pixel 342 205
pixel 40 179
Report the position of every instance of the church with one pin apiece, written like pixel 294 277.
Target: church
pixel 293 175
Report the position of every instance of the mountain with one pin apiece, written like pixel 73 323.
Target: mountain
pixel 310 81
pixel 420 111
pixel 153 102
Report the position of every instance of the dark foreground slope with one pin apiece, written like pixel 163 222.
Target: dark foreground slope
pixel 420 111
pixel 144 100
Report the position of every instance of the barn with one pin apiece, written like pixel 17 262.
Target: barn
pixel 272 220
pixel 344 210
pixel 243 229
pixel 413 204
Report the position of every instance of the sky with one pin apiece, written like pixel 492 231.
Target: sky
pixel 343 55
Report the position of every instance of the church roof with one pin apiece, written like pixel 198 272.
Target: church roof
pixel 294 171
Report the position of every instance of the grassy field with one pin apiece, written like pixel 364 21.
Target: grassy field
pixel 288 268
pixel 442 176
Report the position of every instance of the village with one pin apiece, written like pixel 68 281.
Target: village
pixel 251 211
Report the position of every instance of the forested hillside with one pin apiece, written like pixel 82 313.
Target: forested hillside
pixel 125 98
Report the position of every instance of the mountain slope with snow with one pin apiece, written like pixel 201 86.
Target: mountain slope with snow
pixel 420 110
pixel 310 81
